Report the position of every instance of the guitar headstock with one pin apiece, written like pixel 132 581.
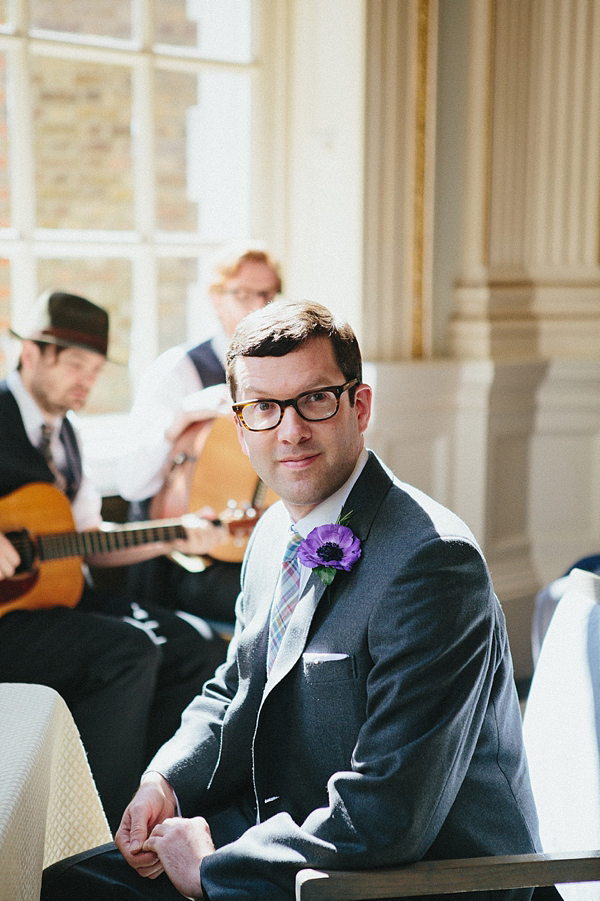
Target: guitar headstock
pixel 238 520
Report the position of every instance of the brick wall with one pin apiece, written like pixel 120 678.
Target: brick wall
pixel 82 144
pixel 102 17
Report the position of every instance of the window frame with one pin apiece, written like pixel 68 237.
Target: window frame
pixel 23 243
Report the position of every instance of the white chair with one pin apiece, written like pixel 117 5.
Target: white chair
pixel 547 599
pixel 49 806
pixel 562 729
pixel 562 726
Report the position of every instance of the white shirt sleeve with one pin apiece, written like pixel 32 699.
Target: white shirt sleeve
pixel 171 385
pixel 86 506
pixel 163 388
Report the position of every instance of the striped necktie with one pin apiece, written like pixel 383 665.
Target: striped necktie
pixel 46 452
pixel 283 606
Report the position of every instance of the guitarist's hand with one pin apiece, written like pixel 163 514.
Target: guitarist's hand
pixel 203 535
pixel 153 803
pixel 9 558
pixel 198 406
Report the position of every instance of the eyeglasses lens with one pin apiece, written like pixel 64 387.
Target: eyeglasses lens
pixel 261 416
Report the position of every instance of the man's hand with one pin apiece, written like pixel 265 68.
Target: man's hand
pixel 197 407
pixel 203 536
pixel 181 845
pixel 9 558
pixel 153 803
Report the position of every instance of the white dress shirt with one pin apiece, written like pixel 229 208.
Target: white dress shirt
pixel 170 385
pixel 86 505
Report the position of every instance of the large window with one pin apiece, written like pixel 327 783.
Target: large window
pixel 125 163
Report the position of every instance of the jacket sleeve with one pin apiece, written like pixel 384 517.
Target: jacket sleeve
pixel 189 759
pixel 436 639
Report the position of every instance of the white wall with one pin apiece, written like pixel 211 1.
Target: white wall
pixel 324 245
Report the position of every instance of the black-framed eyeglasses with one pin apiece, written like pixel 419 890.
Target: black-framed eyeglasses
pixel 313 406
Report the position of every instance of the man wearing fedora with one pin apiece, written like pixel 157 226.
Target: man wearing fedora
pixel 126 669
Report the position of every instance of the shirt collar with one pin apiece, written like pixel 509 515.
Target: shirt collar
pixel 328 511
pixel 31 414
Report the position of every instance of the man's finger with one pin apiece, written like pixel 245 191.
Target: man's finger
pixel 138 832
pixel 152 872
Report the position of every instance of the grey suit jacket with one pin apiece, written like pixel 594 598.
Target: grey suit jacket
pixel 407 745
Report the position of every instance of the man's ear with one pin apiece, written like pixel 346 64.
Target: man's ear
pixel 30 354
pixel 241 433
pixel 362 402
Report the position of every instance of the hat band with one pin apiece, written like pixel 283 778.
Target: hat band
pixel 71 336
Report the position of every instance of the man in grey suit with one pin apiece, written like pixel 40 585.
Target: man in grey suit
pixel 377 721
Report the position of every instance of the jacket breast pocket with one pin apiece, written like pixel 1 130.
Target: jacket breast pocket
pixel 331 706
pixel 319 668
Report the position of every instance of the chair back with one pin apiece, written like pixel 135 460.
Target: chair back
pixel 562 726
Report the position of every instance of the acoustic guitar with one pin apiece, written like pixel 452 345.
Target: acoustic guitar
pixel 207 468
pixel 38 521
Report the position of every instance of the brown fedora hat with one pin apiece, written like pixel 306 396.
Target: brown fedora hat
pixel 69 321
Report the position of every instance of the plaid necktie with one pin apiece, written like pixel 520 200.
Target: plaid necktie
pixel 283 606
pixel 46 452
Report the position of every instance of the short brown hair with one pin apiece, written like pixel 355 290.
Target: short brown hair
pixel 283 326
pixel 230 265
pixel 45 350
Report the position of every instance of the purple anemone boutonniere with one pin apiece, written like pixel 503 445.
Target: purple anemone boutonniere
pixel 329 548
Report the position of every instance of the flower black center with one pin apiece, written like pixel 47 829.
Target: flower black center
pixel 330 551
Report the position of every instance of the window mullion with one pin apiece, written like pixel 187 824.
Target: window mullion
pixel 22 166
pixel 23 277
pixel 144 313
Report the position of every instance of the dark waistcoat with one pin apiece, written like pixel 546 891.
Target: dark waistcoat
pixel 20 461
pixel 209 367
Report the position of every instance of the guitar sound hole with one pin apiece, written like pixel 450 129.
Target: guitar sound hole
pixel 22 542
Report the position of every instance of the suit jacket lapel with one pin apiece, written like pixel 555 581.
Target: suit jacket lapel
pixel 363 502
pixel 366 497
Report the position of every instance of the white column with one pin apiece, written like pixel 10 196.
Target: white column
pixel 401 58
pixel 530 281
pixel 324 225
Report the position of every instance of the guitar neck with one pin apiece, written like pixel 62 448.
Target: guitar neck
pixel 57 545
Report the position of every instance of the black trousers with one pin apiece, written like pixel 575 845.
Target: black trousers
pixel 211 593
pixel 125 671
pixel 102 874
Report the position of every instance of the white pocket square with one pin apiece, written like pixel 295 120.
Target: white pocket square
pixel 316 657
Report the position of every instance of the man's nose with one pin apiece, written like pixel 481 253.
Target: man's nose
pixel 292 427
